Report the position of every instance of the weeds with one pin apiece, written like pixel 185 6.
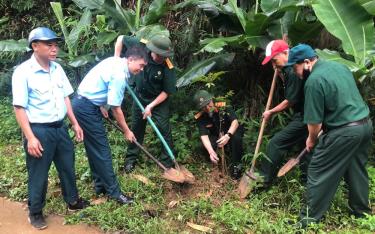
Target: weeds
pixel 206 203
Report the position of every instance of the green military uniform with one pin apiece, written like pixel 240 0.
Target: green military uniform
pixel 294 134
pixel 220 122
pixel 332 98
pixel 148 84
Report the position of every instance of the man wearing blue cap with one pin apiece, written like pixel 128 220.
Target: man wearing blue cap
pixel 333 103
pixel 41 101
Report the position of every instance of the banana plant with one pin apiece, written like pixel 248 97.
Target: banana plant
pixel 135 23
pixel 256 28
pixel 73 37
pixel 354 27
pixel 201 68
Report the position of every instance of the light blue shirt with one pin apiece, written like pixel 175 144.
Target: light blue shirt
pixel 105 83
pixel 40 92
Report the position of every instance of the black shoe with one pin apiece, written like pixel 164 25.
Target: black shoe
pixel 38 221
pixel 236 172
pixel 78 205
pixel 100 191
pixel 124 200
pixel 129 167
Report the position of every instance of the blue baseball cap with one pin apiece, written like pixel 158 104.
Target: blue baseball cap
pixel 42 34
pixel 299 53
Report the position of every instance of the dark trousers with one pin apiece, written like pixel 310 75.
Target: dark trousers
pixel 97 147
pixel 294 134
pixel 160 115
pixel 59 149
pixel 340 153
pixel 234 146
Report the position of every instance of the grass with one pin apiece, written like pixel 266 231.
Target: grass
pixel 165 207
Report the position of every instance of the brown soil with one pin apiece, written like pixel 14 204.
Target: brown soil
pixel 210 186
pixel 13 220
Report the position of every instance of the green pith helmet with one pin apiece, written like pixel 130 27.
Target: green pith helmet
pixel 160 45
pixel 202 98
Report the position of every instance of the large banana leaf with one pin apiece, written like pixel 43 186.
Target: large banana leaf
pixel 201 68
pixel 105 38
pixel 302 31
pixel 149 31
pixel 270 7
pixel 14 46
pixel 335 56
pixel 90 4
pixel 281 26
pixel 82 60
pixel 73 37
pixel 215 45
pixel 57 9
pixel 350 22
pixel 77 30
pixel 124 18
pixel 239 13
pixel 156 10
pixel 216 4
pixel 254 24
pixel 369 5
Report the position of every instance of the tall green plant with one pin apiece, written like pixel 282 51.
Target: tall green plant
pixel 354 26
pixel 348 21
pixel 72 37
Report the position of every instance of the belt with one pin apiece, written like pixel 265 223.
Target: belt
pixel 351 124
pixel 56 124
pixel 356 123
pixel 81 97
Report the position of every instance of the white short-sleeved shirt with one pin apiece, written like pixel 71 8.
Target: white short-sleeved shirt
pixel 41 92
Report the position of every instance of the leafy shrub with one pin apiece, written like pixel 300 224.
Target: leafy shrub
pixel 9 131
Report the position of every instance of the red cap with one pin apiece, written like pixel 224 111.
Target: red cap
pixel 273 48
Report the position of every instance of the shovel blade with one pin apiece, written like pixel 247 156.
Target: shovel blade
pixel 189 177
pixel 245 185
pixel 174 175
pixel 288 166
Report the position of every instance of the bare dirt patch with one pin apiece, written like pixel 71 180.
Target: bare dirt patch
pixel 13 220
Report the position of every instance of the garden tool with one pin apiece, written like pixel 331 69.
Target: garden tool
pixel 189 177
pixel 244 186
pixel 169 173
pixel 293 161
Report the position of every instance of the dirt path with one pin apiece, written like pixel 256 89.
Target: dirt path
pixel 13 220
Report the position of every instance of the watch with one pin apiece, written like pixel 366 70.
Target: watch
pixel 229 134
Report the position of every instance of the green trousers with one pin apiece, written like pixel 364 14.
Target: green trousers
pixel 160 115
pixel 294 134
pixel 340 153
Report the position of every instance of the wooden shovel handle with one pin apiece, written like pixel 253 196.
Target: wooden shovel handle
pixel 140 146
pixel 263 124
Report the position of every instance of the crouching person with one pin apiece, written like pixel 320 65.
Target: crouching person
pixel 218 127
pixel 41 100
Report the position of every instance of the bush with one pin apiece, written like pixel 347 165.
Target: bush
pixel 9 131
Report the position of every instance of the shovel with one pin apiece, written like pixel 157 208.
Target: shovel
pixel 189 177
pixel 293 162
pixel 169 173
pixel 244 187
